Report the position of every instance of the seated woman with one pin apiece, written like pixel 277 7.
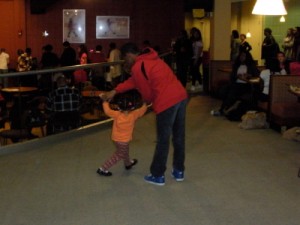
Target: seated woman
pixel 243 70
pixel 281 67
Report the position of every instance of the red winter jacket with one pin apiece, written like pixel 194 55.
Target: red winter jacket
pixel 157 84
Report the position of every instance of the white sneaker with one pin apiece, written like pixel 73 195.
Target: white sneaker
pixel 193 88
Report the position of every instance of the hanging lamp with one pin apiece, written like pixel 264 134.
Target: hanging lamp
pixel 282 19
pixel 269 7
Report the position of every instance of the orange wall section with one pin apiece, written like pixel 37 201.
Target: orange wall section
pixel 13 28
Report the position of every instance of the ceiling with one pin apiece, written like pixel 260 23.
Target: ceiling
pixel 207 5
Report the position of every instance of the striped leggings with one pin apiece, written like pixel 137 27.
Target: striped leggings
pixel 122 153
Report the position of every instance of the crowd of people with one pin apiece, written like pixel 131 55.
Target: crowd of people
pixel 70 56
pixel 248 84
pixel 62 89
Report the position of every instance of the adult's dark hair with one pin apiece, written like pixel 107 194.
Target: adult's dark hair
pixel 66 44
pixel 193 31
pixel 268 30
pixel 184 33
pixel 243 35
pixel 98 48
pixel 130 48
pixel 248 61
pixel 48 48
pixel 28 50
pixel 83 49
pixel 235 34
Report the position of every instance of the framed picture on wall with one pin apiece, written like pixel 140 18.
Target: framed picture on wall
pixel 74 25
pixel 110 27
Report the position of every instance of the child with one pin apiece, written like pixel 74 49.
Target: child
pixel 123 125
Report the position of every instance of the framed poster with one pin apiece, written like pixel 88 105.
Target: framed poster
pixel 74 25
pixel 109 27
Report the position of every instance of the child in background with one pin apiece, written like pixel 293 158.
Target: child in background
pixel 123 125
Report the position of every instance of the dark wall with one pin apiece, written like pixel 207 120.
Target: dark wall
pixel 156 20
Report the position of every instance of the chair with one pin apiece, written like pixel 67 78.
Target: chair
pixel 63 121
pixel 23 118
pixel 18 131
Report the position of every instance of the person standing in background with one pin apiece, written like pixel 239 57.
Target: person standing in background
pixel 68 58
pixel 49 60
pixel 25 61
pixel 97 73
pixel 114 55
pixel 97 56
pixel 82 54
pixel 234 45
pixel 4 61
pixel 197 44
pixel 269 48
pixel 183 53
pixel 288 43
pixel 244 46
pixel 296 46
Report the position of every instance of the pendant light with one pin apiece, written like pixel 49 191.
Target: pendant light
pixel 282 19
pixel 269 7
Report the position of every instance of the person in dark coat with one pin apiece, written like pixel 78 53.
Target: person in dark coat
pixel 68 58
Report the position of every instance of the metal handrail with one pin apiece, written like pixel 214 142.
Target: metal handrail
pixel 68 68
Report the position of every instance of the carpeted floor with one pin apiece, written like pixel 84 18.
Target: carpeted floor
pixel 233 177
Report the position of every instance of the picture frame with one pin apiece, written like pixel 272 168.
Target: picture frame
pixel 112 27
pixel 74 25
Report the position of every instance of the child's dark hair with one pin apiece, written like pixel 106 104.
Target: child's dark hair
pixel 128 101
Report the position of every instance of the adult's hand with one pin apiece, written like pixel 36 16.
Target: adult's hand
pixel 107 96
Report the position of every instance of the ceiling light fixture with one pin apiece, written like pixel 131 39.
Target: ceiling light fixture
pixel 282 19
pixel 269 7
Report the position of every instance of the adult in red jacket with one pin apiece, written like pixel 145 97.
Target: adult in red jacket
pixel 158 85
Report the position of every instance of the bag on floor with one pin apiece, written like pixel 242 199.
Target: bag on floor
pixel 253 120
pixel 292 134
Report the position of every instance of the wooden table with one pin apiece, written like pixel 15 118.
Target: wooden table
pixel 19 89
pixel 229 69
pixel 91 93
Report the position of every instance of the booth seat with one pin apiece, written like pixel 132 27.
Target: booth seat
pixel 284 107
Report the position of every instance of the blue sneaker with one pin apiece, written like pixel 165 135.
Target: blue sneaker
pixel 155 180
pixel 177 175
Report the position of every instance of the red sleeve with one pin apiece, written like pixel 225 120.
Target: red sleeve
pixel 127 85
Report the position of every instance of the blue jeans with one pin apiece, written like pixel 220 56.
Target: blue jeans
pixel 170 122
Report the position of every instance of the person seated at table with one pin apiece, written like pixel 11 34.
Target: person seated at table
pixel 281 67
pixel 243 70
pixel 64 105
